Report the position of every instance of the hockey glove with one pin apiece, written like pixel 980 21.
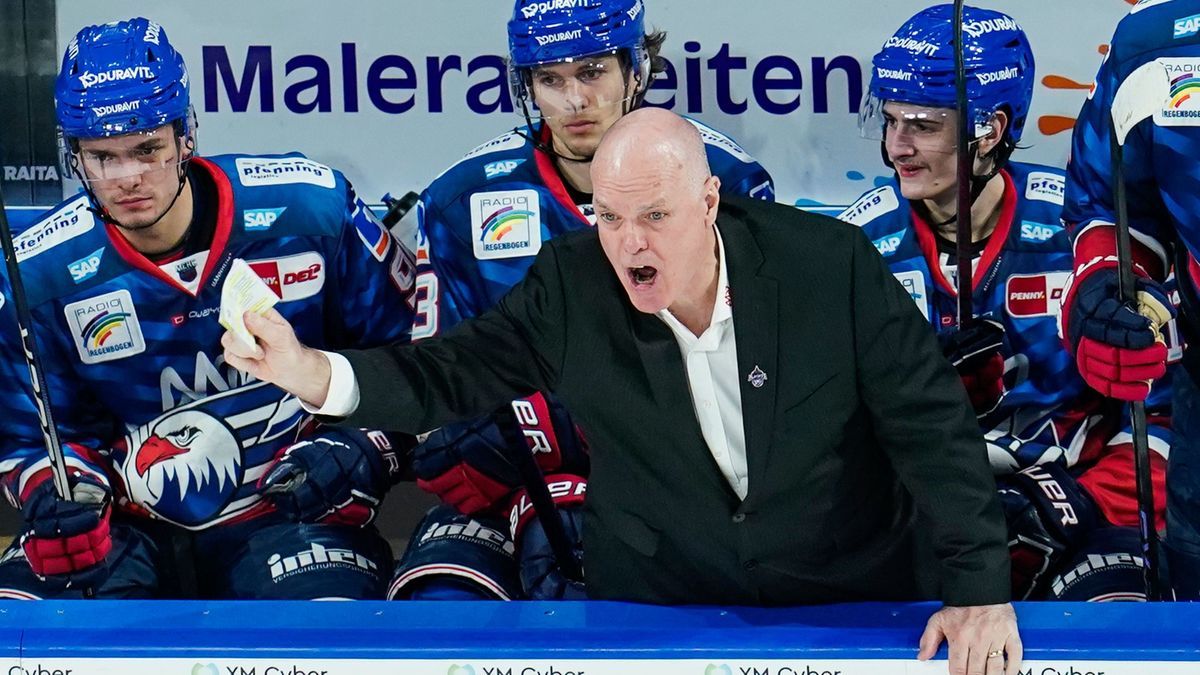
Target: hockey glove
pixel 470 467
pixel 1118 349
pixel 339 477
pixel 976 352
pixel 1048 515
pixel 68 542
pixel 540 574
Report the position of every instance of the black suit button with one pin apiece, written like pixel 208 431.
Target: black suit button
pixel 739 517
pixel 750 565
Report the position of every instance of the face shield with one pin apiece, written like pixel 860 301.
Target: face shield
pixel 120 157
pixel 924 128
pixel 576 87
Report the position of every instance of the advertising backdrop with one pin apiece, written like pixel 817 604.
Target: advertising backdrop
pixel 394 92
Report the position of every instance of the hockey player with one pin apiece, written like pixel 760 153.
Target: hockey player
pixel 1033 407
pixel 177 464
pixel 1119 349
pixel 483 220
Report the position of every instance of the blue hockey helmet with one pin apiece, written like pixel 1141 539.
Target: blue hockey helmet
pixel 119 78
pixel 916 66
pixel 544 32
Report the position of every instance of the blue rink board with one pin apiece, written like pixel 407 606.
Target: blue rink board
pixel 581 630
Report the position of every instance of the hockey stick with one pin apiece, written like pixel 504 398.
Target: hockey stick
pixel 539 494
pixel 966 169
pixel 1141 94
pixel 58 465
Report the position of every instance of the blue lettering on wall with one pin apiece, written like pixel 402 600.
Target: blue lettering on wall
pixel 397 84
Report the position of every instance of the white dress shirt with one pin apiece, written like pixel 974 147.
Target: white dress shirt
pixel 710 361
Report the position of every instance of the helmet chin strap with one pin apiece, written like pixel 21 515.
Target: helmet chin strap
pixel 978 184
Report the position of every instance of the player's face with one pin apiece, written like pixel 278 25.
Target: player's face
pixel 921 142
pixel 580 100
pixel 135 177
pixel 656 227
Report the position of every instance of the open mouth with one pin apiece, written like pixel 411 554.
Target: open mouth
pixel 642 276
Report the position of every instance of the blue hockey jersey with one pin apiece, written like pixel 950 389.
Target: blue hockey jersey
pixel 484 219
pixel 132 349
pixel 1047 413
pixel 1161 171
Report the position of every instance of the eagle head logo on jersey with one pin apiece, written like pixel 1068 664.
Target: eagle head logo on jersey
pixel 186 468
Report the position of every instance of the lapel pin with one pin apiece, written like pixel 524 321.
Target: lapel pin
pixel 757 378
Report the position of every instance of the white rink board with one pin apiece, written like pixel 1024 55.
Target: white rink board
pixel 813 155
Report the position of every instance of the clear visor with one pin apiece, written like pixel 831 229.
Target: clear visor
pixel 128 157
pixel 576 88
pixel 924 128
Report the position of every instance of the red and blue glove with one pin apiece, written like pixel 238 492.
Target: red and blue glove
pixel 67 542
pixel 1118 349
pixel 338 477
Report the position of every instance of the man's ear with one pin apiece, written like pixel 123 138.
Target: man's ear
pixel 712 198
pixel 999 126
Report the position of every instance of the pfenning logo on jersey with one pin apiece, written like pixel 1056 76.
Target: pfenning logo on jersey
pixel 1182 108
pixel 1033 295
pixel 716 138
pixel 1046 187
pixel 913 282
pixel 317 557
pixel 66 224
pixel 870 206
pixel 506 224
pixel 259 171
pixel 105 327
pixel 292 278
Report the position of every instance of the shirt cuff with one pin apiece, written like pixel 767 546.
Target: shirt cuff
pixel 342 399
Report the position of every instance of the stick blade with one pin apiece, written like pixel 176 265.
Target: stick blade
pixel 1144 92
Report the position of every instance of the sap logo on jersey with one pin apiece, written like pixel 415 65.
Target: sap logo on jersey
pixel 887 245
pixel 1035 295
pixel 870 206
pixel 292 278
pixel 86 267
pixel 259 171
pixel 501 168
pixel 256 220
pixel 1187 26
pixel 105 327
pixel 914 282
pixel 1038 232
pixel 1046 187
pixel 506 224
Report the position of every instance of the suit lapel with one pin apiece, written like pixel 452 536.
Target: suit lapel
pixel 755 323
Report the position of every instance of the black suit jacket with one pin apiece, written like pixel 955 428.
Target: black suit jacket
pixel 859 424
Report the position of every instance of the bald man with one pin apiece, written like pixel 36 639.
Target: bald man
pixel 769 413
